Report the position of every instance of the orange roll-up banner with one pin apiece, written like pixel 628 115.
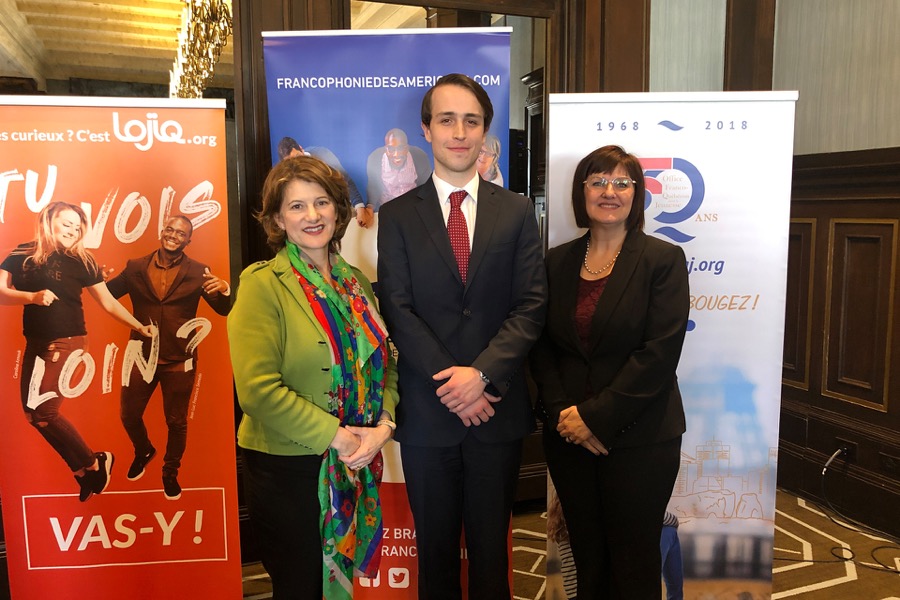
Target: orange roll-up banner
pixel 129 165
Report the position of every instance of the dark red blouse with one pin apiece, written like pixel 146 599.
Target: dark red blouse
pixel 586 304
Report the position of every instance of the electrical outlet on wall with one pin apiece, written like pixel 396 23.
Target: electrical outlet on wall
pixel 849 448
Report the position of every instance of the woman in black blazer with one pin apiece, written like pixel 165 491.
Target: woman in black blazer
pixel 605 369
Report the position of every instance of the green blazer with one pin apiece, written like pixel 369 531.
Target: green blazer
pixel 282 363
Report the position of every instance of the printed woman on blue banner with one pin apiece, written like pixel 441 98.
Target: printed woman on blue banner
pixel 488 163
pixel 318 386
pixel 288 147
pixel 605 370
pixel 47 275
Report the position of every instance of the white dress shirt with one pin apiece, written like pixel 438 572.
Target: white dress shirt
pixel 468 206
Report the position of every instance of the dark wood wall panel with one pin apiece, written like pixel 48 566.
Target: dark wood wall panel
pixel 795 365
pixel 625 59
pixel 853 323
pixel 749 44
pixel 860 290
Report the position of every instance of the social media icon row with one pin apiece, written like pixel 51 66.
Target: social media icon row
pixel 398 577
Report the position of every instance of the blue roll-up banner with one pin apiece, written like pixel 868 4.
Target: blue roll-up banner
pixel 337 94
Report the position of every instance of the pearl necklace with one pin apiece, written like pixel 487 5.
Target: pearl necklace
pixel 588 269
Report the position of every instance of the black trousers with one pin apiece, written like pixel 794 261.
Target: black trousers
pixel 470 486
pixel 283 503
pixel 47 417
pixel 177 385
pixel 614 507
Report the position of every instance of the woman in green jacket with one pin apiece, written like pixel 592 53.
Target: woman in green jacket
pixel 317 383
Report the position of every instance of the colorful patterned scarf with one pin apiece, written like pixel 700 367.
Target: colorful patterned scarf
pixel 350 508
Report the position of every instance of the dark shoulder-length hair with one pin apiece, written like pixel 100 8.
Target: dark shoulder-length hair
pixel 313 170
pixel 604 160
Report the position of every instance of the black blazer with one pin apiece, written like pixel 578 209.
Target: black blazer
pixel 624 382
pixel 436 322
pixel 170 312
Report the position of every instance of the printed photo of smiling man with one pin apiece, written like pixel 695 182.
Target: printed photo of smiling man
pixel 165 287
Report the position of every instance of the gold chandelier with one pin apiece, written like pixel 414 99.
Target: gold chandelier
pixel 205 28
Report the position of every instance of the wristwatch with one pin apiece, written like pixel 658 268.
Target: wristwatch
pixel 484 378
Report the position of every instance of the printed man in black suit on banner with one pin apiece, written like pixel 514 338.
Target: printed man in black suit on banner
pixel 165 287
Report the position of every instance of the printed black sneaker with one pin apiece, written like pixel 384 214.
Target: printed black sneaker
pixel 84 484
pixel 136 470
pixel 100 477
pixel 171 487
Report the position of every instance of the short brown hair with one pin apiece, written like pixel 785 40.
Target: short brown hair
pixel 313 170
pixel 463 81
pixel 604 160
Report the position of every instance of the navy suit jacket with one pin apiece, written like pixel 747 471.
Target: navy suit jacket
pixel 178 306
pixel 437 322
pixel 624 381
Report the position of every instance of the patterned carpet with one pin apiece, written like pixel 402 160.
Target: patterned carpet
pixel 818 559
pixel 815 559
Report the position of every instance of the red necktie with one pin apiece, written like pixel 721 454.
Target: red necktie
pixel 459 233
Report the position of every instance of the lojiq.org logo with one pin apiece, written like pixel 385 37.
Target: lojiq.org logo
pixel 143 133
pixel 674 193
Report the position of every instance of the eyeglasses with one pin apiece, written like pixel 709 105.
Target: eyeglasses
pixel 181 235
pixel 487 153
pixel 620 184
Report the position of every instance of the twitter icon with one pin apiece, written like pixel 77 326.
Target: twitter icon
pixel 398 577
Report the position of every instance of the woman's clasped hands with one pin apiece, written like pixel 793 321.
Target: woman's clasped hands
pixel 575 431
pixel 358 446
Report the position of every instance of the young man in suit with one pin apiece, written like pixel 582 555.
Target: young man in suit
pixel 463 291
pixel 165 287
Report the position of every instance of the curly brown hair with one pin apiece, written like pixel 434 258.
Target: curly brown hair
pixel 313 170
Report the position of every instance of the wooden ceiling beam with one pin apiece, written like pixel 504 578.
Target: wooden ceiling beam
pixel 97 23
pixel 146 73
pixel 61 50
pixel 106 37
pixel 58 46
pixel 60 59
pixel 170 15
pixel 21 50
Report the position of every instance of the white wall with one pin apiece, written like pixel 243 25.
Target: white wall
pixel 843 56
pixel 687 45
